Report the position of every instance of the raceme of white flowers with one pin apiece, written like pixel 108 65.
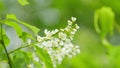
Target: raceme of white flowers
pixel 58 42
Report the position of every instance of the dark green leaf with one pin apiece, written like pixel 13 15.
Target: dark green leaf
pixel 3 56
pixel 1 50
pixel 5 39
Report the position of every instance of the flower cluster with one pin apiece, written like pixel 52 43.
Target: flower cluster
pixel 58 42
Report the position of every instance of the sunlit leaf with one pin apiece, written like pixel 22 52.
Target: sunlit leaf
pixel 3 31
pixel 33 28
pixel 11 16
pixel 15 26
pixel 23 2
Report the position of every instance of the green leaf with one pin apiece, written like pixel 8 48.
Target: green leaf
pixel 23 2
pixel 44 56
pixel 104 21
pixel 6 39
pixel 28 57
pixel 37 64
pixel 19 60
pixel 96 15
pixel 1 50
pixel 2 54
pixel 15 26
pixel 33 28
pixel 11 16
pixel 3 31
pixel 25 36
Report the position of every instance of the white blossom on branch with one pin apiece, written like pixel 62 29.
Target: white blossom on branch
pixel 58 42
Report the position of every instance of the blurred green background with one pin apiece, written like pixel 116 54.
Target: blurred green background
pixel 53 14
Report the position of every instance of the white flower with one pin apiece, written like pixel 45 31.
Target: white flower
pixel 35 57
pixel 39 38
pixel 73 19
pixel 72 33
pixel 48 33
pixel 78 50
pixel 28 41
pixel 69 22
pixel 74 30
pixel 62 35
pixel 30 66
pixel 58 42
pixel 76 26
pixel 54 31
pixel 62 29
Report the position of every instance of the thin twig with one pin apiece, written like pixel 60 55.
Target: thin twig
pixel 18 49
pixel 22 47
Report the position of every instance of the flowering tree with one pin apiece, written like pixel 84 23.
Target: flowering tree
pixel 38 51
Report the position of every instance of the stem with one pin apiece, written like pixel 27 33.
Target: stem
pixel 19 49
pixel 32 44
pixel 3 44
pixel 22 47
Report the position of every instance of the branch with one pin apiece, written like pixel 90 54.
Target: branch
pixel 22 47
pixel 19 49
pixel 3 44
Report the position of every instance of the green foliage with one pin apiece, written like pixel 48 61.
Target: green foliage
pixel 93 52
pixel 37 64
pixel 104 24
pixel 23 2
pixel 1 50
pixel 44 56
pixel 104 21
pixel 25 36
pixel 15 26
pixel 13 17
pixel 33 28
pixel 6 39
pixel 21 59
